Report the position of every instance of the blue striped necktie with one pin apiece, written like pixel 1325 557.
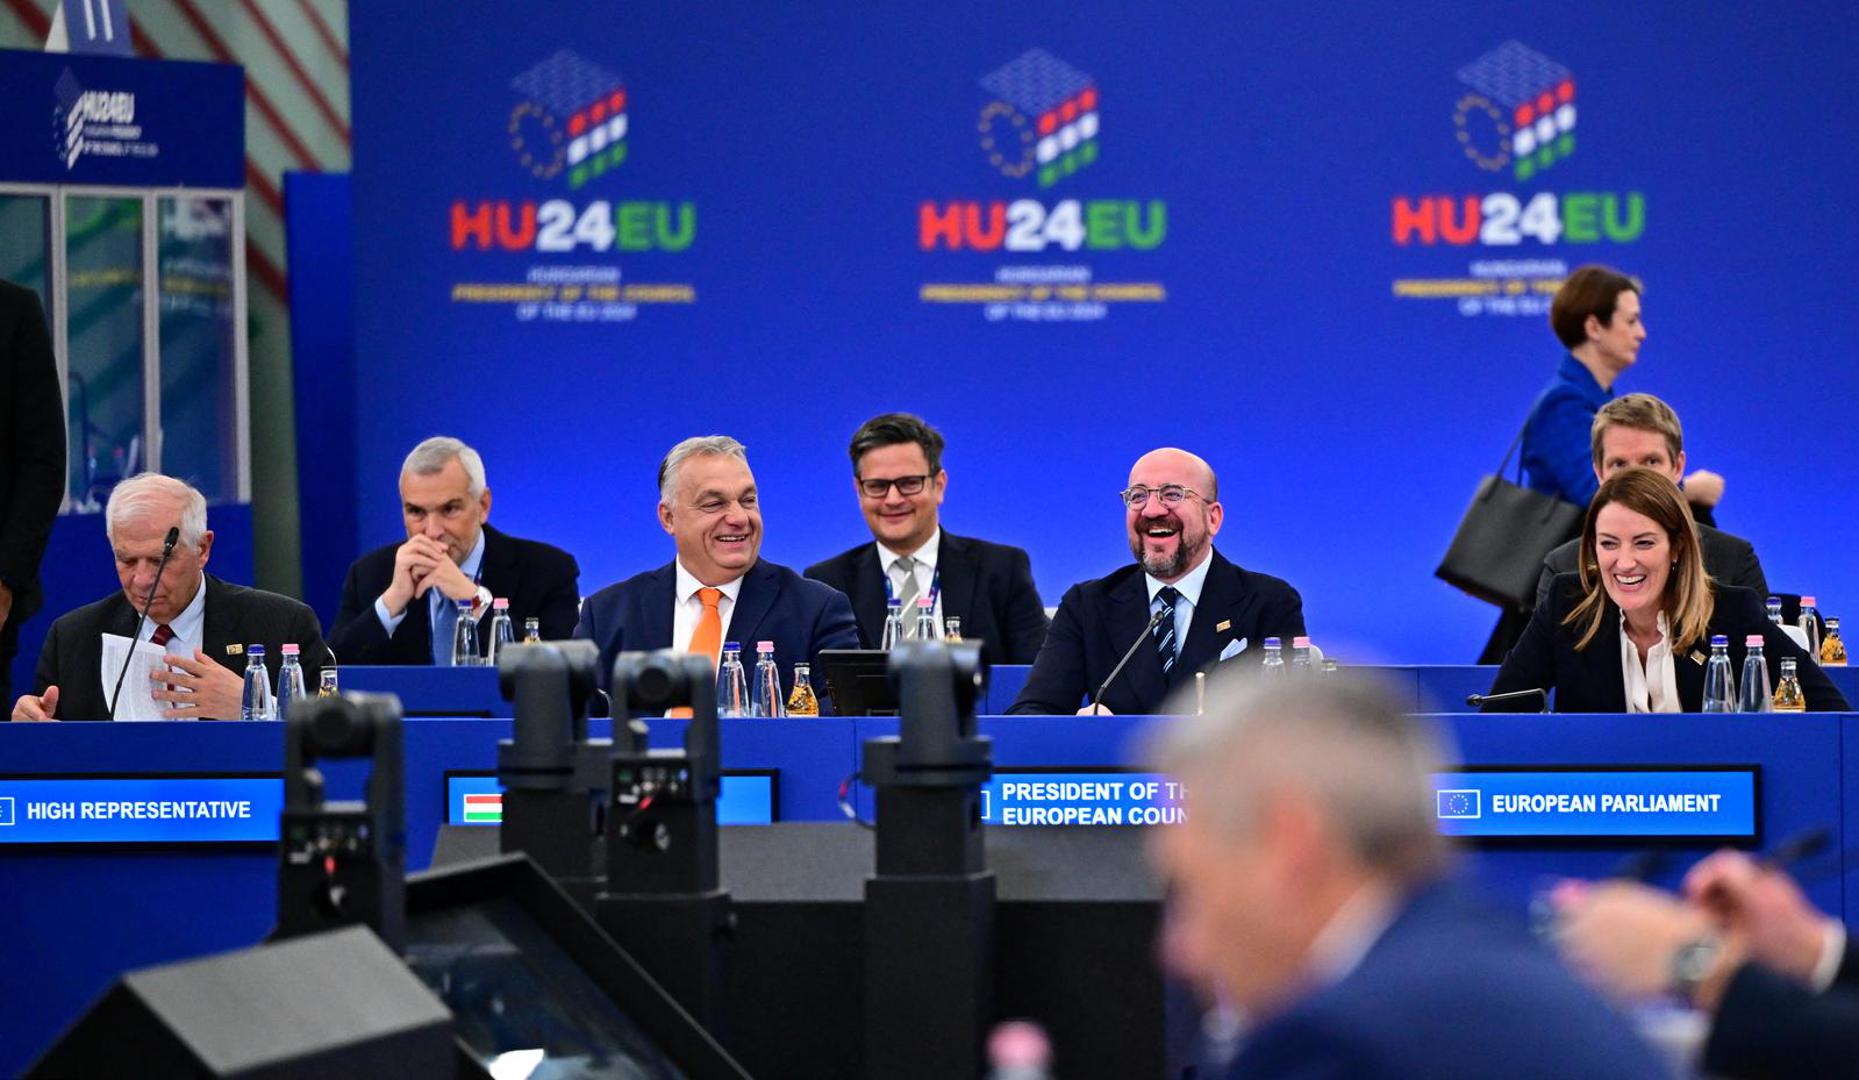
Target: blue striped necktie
pixel 1164 632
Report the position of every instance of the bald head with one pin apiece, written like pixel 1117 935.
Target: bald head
pixel 1177 467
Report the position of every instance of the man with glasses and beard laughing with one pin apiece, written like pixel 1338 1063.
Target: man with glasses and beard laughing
pixel 1205 609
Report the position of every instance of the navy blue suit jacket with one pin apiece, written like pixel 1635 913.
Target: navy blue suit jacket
pixel 1590 680
pixel 541 581
pixel 775 604
pixel 1450 990
pixel 1098 619
pixel 988 586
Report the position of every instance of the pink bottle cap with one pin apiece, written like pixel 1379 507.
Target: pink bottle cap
pixel 502 603
pixel 1300 643
pixel 925 602
pixel 291 650
pixel 1808 601
pixel 1754 641
pixel 764 646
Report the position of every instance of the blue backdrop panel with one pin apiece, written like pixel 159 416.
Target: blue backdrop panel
pixel 317 209
pixel 111 120
pixel 1316 248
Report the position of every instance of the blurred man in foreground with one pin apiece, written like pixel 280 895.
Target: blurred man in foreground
pixel 1310 893
pixel 1780 979
pixel 32 462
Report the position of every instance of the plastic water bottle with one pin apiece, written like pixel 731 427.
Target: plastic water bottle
pixel 803 701
pixel 257 702
pixel 765 693
pixel 1329 666
pixel 927 630
pixel 327 684
pixel 1789 696
pixel 290 681
pixel 1832 647
pixel 465 638
pixel 1775 610
pixel 1300 656
pixel 1274 657
pixel 1719 680
pixel 532 631
pixel 503 631
pixel 1756 690
pixel 1810 625
pixel 893 625
pixel 732 683
pixel 952 628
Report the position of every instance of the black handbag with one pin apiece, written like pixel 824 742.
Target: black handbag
pixel 1497 554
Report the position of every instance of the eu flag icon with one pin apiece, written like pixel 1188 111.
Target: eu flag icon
pixel 6 810
pixel 1460 803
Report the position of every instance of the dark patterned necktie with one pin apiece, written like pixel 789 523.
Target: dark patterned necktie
pixel 163 634
pixel 1164 632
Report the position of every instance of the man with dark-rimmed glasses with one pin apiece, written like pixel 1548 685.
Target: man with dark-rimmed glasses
pixel 898 477
pixel 1210 610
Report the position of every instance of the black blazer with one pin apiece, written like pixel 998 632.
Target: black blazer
pixel 541 581
pixel 1098 619
pixel 1729 560
pixel 774 604
pixel 72 658
pixel 988 586
pixel 32 448
pixel 1771 1025
pixel 1590 681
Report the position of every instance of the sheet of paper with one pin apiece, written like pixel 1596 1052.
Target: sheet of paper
pixel 136 702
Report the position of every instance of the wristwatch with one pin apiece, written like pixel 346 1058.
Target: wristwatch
pixel 1692 962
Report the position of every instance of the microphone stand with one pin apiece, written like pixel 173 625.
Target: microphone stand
pixel 167 549
pixel 1477 700
pixel 1121 664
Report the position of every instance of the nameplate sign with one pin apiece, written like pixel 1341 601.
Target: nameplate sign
pixel 141 810
pixel 1094 797
pixel 747 797
pixel 1703 803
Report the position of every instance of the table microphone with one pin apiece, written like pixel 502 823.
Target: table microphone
pixel 167 549
pixel 1121 664
pixel 1476 700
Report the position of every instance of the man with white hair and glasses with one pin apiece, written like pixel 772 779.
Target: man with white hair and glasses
pixel 205 624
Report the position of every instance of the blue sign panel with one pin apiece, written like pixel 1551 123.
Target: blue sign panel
pixel 109 810
pixel 1081 798
pixel 1718 804
pixel 746 799
pixel 73 119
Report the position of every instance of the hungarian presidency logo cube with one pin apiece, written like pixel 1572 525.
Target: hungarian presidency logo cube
pixel 1460 803
pixel 571 121
pixel 6 810
pixel 1043 120
pixel 1521 112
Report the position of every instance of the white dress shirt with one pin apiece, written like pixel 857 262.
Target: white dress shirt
pixel 189 626
pixel 1190 589
pixel 688 611
pixel 1652 688
pixel 925 570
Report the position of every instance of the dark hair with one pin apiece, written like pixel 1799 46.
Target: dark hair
pixel 892 429
pixel 1590 290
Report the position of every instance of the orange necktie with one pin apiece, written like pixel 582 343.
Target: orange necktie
pixel 707 640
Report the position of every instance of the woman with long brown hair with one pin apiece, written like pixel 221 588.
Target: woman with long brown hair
pixel 1630 630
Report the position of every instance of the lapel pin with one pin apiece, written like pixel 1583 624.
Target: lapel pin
pixel 1697 657
pixel 1224 624
pixel 235 650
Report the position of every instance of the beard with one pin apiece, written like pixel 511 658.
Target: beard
pixel 1166 567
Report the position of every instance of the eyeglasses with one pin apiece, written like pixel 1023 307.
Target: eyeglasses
pixel 1172 495
pixel 875 488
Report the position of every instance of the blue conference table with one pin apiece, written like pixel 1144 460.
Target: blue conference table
pixel 80 915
